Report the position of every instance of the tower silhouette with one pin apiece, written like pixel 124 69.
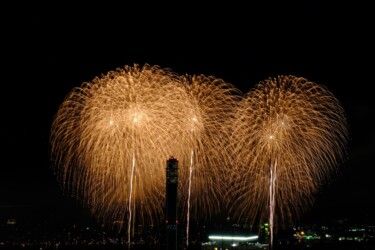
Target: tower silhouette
pixel 171 203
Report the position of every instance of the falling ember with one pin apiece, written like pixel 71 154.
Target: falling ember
pixel 188 199
pixel 289 133
pixel 272 200
pixel 130 199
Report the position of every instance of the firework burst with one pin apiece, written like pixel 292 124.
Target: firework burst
pixel 288 136
pixel 206 159
pixel 110 139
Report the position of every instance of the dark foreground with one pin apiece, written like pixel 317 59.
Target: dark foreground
pixel 312 246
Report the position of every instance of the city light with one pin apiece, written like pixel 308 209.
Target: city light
pixel 233 238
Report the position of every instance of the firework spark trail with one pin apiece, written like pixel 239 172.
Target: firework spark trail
pixel 297 122
pixel 130 199
pixel 272 199
pixel 118 130
pixel 189 195
pixel 214 101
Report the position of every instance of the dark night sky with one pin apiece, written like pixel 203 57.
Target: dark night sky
pixel 48 50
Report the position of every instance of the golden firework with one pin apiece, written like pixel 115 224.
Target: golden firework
pixel 214 101
pixel 288 136
pixel 111 137
pixel 206 159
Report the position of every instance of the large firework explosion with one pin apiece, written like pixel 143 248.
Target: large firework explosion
pixel 288 136
pixel 111 138
pixel 203 171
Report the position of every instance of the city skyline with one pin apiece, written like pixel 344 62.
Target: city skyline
pixel 43 64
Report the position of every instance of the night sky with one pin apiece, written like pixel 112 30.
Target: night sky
pixel 48 50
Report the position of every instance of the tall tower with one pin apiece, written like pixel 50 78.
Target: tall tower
pixel 171 203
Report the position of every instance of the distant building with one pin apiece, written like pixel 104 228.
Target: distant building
pixel 11 222
pixel 245 242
